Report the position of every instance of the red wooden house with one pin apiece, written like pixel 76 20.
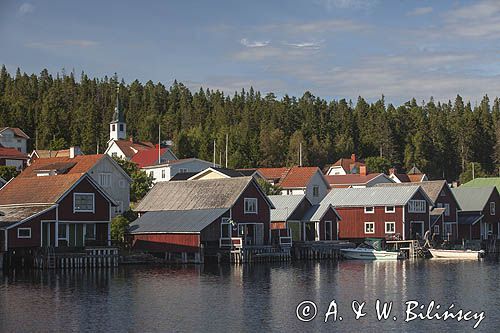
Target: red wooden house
pixel 182 217
pixel 479 218
pixel 381 212
pixel 54 211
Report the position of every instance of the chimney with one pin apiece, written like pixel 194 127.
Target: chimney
pixel 353 157
pixel 74 151
pixel 362 170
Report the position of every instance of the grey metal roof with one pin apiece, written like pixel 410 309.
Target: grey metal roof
pixel 316 212
pixel 284 205
pixel 194 194
pixel 10 215
pixel 472 198
pixel 370 196
pixel 175 221
pixel 431 187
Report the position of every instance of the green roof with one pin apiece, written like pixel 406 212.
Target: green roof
pixel 472 199
pixel 484 182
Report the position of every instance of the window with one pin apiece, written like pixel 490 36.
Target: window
pixel 61 231
pixel 90 231
pixel 417 206
pixel 390 209
pixel 113 128
pixel 105 179
pixel 183 170
pixel 448 229
pixel 162 173
pixel 121 127
pixel 250 206
pixel 83 202
pixel 225 228
pixel 369 227
pixel 315 191
pixel 446 209
pixel 115 154
pixel 119 208
pixel 328 230
pixel 390 227
pixel 369 210
pixel 492 208
pixel 122 183
pixel 436 230
pixel 24 233
pixel 151 174
pixel 442 194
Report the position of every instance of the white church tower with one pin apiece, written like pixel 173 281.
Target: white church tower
pixel 117 127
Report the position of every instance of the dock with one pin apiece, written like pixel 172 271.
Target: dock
pixel 410 247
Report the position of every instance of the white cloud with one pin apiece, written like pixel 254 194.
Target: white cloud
pixel 311 27
pixel 80 43
pixel 305 45
pixel 420 11
pixel 274 53
pixel 254 43
pixel 478 20
pixel 26 8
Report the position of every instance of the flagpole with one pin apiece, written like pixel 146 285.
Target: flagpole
pixel 227 143
pixel 159 143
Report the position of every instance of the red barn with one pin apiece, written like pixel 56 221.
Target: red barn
pixel 381 212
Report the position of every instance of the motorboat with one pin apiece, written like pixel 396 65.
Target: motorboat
pixel 456 254
pixel 369 253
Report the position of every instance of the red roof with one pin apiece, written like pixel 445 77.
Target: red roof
pixel 348 180
pixel 348 164
pixel 78 165
pixel 145 158
pixel 273 173
pixel 298 177
pixel 37 190
pixel 130 148
pixel 12 153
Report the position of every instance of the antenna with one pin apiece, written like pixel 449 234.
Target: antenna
pixel 300 153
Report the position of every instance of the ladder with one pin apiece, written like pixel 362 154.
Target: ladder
pixel 51 258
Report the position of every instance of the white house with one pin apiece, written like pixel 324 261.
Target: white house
pixel 305 180
pixel 345 166
pixel 165 171
pixel 13 137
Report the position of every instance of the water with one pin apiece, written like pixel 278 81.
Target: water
pixel 250 298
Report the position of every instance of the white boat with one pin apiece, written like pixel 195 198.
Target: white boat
pixel 456 254
pixel 369 254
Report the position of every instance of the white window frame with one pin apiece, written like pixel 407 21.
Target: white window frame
pixel 436 229
pixel 254 200
pixel 225 221
pixel 23 237
pixel 84 210
pixel 315 191
pixel 163 173
pixel 370 212
pixel 387 210
pixel 63 226
pixel 105 179
pixel 446 209
pixel 369 232
pixel 390 223
pixel 417 206
pixel 493 210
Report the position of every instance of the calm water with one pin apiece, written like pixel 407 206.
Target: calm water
pixel 247 298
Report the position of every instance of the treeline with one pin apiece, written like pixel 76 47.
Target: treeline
pixel 442 139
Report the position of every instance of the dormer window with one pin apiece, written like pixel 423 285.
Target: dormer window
pixel 83 203
pixel 250 206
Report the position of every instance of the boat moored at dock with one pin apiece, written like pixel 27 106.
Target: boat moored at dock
pixel 456 254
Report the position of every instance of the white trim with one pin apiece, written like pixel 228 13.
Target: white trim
pixel 6 245
pixel 493 208
pixel 436 226
pixel 245 200
pixel 23 237
pixel 372 232
pixel 29 217
pixel 225 220
pixel 85 210
pixel 368 212
pixel 415 203
pixel 390 211
pixel 389 223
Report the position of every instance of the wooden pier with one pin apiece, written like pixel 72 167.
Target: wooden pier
pixel 319 250
pixel 92 257
pixel 409 247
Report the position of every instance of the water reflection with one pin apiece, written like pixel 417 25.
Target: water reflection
pixel 242 298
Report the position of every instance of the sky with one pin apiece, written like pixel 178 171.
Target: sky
pixel 332 48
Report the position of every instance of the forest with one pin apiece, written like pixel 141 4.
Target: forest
pixel 443 139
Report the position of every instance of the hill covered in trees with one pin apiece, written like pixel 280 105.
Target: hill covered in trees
pixel 442 139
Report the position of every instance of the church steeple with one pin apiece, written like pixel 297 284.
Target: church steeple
pixel 117 127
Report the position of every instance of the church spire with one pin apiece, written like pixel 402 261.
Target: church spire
pixel 118 114
pixel 117 127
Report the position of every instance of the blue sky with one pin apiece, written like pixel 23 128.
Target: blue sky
pixel 333 48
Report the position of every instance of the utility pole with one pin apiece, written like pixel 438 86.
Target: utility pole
pixel 300 154
pixel 159 143
pixel 227 145
pixel 473 174
pixel 214 153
